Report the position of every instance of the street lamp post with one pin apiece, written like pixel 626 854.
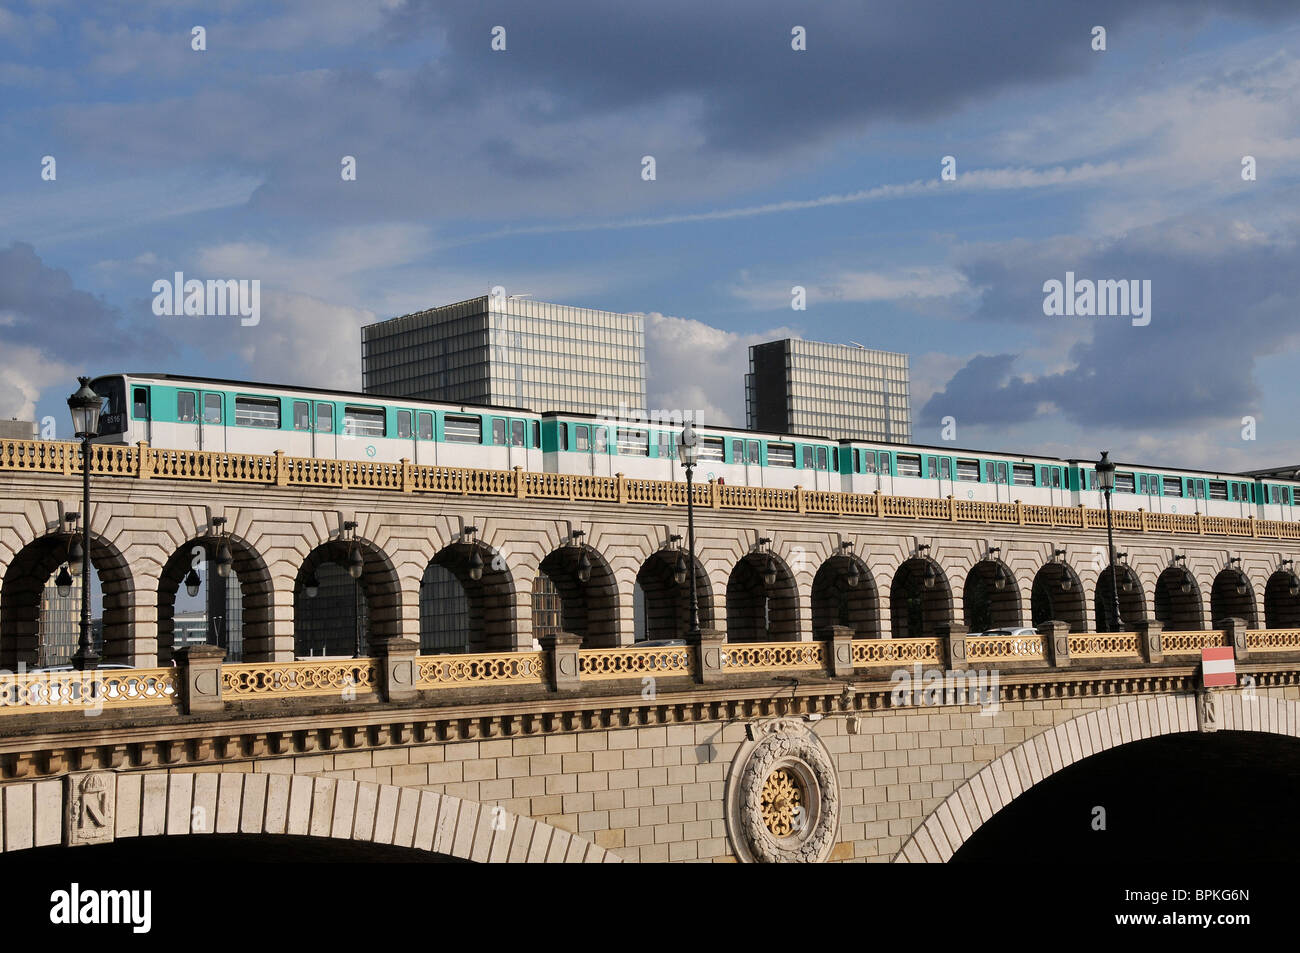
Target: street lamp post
pixel 85 406
pixel 1106 480
pixel 688 451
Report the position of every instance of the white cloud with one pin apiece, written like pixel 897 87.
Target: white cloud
pixel 303 340
pixel 860 286
pixel 24 373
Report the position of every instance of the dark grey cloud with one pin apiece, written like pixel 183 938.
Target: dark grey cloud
pixel 1225 293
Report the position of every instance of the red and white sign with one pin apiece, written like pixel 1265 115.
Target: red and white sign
pixel 1218 667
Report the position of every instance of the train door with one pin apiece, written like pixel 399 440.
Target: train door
pixel 405 447
pixel 517 440
pixel 303 441
pixel 325 442
pixel 142 424
pixel 212 423
pixel 426 451
pixel 187 421
pixel 1051 479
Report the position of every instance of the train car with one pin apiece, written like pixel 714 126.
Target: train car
pixel 940 472
pixel 198 413
pixel 1171 490
pixel 647 449
pixel 1277 492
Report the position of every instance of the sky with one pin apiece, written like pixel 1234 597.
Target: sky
pixel 774 167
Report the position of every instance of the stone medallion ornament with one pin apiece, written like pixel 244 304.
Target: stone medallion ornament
pixel 783 798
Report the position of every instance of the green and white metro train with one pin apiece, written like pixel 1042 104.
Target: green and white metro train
pixel 197 413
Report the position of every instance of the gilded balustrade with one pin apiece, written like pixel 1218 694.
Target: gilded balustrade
pixel 88 691
pixel 1191 643
pixel 773 656
pixel 636 662
pixel 867 652
pixel 1273 640
pixel 1011 648
pixel 482 668
pixel 347 678
pixel 1090 645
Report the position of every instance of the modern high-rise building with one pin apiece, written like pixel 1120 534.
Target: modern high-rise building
pixel 510 352
pixel 833 390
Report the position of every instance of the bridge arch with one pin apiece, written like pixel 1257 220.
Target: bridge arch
pixel 835 602
pixel 986 604
pixel 1179 606
pixel 917 609
pixel 1282 601
pixel 380 605
pixel 1132 598
pixel 481 611
pixel 759 611
pixel 588 593
pixel 248 572
pixel 1008 776
pixel 667 605
pixel 1057 594
pixel 301 805
pixel 1233 597
pixel 23 586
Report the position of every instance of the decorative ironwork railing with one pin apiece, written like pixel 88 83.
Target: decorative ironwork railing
pixel 486 668
pixel 350 679
pixel 636 662
pixel 1086 645
pixel 145 462
pixel 88 691
pixel 773 656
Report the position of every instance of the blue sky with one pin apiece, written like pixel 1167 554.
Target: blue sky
pixel 774 168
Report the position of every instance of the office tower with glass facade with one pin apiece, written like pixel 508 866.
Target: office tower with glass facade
pixel 832 390
pixel 511 352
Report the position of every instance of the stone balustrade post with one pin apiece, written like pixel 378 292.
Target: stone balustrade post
pixel 562 660
pixel 199 667
pixel 954 645
pixel 398 672
pixel 1057 640
pixel 709 651
pixel 1235 632
pixel 839 649
pixel 1149 641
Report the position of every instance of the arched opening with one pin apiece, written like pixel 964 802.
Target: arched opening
pixel 1057 596
pixel 1132 600
pixel 920 599
pixel 844 593
pixel 1178 601
pixel 41 627
pixel 762 600
pixel 232 612
pixel 991 597
pixel 1233 597
pixel 1282 601
pixel 337 614
pixel 585 591
pixel 663 610
pixel 461 613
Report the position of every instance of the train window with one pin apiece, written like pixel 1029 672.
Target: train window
pixel 458 429
pixel 857 461
pixel 667 448
pixel 945 468
pixel 807 458
pixel 364 422
pixel 498 433
pixel 404 431
pixel 780 455
pixel 988 471
pixel 537 435
pixel 711 449
pixel 212 408
pixel 869 461
pixel 835 458
pixel 425 431
pixel 1172 486
pixel 324 418
pixel 1022 474
pixel 932 468
pixel 1218 490
pixel 1275 494
pixel 1002 473
pixel 1234 491
pixel 562 435
pixel 633 443
pixel 186 409
pixel 821 458
pixel 1123 483
pixel 909 464
pixel 257 412
pixel 518 431
pixel 582 440
pixel 301 415
pixel 751 451
pixel 600 438
pixel 140 403
pixel 968 470
pixel 737 451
